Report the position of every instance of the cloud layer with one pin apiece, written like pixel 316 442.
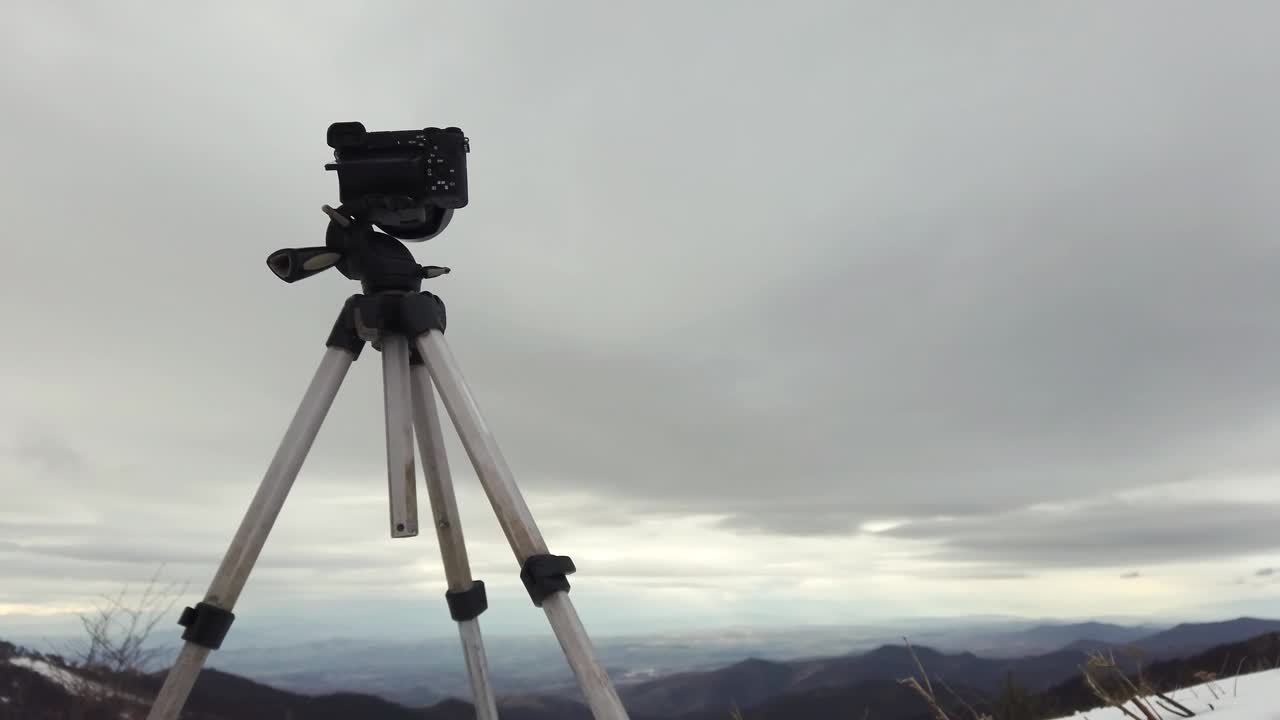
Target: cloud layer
pixel 771 276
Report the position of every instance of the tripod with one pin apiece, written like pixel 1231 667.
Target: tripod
pixel 407 326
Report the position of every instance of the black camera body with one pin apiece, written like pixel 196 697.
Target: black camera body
pixel 406 182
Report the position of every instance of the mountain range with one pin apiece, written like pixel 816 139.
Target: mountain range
pixel 818 687
pixel 422 671
pixel 755 681
pixel 891 700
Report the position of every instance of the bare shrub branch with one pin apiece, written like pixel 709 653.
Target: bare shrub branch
pixel 114 649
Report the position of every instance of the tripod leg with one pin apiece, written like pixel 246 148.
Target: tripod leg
pixel 521 530
pixel 402 483
pixel 466 596
pixel 208 622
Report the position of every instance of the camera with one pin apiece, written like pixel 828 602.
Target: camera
pixel 405 182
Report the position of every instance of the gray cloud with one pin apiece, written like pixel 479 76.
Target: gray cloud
pixel 134 554
pixel 1265 572
pixel 1112 533
pixel 112 553
pixel 48 453
pixel 963 573
pixel 1132 575
pixel 1059 326
pixel 801 269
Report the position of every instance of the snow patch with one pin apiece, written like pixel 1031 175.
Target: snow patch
pixel 1255 696
pixel 70 681
pixel 67 679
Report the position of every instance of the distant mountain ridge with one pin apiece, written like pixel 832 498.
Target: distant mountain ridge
pixel 423 671
pixel 1189 638
pixel 755 681
pixel 43 688
pixel 762 688
pixel 1049 637
pixel 890 700
pixel 1182 639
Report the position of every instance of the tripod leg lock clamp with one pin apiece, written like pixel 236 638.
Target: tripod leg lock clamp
pixel 544 575
pixel 344 335
pixel 467 604
pixel 206 625
pixel 421 312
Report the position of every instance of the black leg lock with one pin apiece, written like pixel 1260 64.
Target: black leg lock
pixel 206 625
pixel 544 575
pixel 467 604
pixel 421 312
pixel 344 335
pixel 376 315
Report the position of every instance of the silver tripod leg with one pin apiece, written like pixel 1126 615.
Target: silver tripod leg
pixel 517 522
pixel 256 525
pixel 402 481
pixel 453 551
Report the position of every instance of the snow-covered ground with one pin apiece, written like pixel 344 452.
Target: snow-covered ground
pixel 63 677
pixel 72 682
pixel 1248 697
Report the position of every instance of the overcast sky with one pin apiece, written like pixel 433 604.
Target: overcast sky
pixel 781 312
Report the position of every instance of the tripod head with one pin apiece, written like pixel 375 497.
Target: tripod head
pixel 405 183
pixel 380 262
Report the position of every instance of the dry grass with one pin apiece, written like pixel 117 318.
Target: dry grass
pixel 924 688
pixel 1111 685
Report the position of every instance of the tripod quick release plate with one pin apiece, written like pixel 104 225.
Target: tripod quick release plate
pixel 407 182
